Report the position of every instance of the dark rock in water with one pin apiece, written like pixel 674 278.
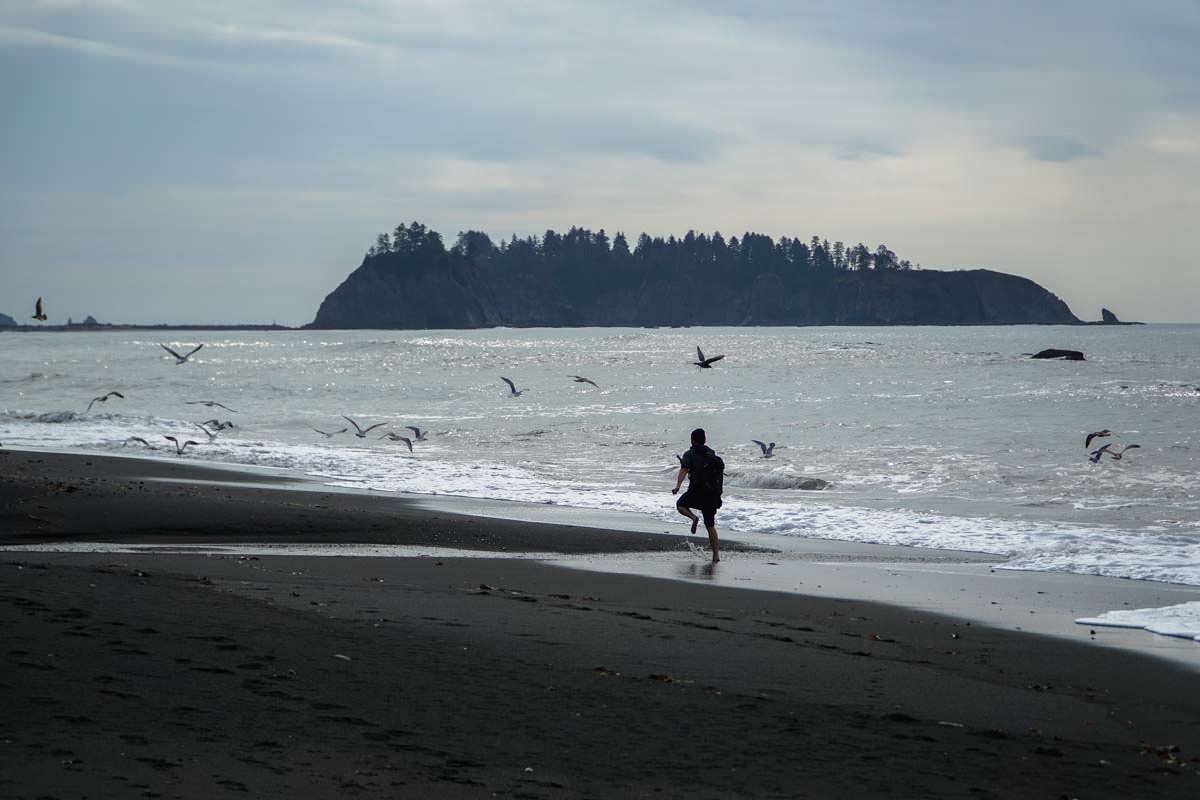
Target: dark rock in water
pixel 1108 317
pixel 6 321
pixel 1065 355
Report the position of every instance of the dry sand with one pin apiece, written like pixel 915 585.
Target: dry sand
pixel 130 675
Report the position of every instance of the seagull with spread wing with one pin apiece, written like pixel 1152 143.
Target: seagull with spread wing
pixel 705 363
pixel 179 448
pixel 512 387
pixel 418 434
pixel 1087 442
pixel 209 403
pixel 768 450
pixel 330 434
pixel 38 313
pixel 360 431
pixel 395 437
pixel 104 399
pixel 581 379
pixel 181 359
pixel 139 440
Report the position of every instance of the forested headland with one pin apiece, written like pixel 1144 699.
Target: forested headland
pixel 409 278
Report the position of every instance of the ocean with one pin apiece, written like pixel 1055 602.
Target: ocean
pixel 948 437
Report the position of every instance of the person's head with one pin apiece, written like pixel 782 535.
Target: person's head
pixel 698 436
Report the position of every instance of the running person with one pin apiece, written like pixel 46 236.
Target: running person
pixel 705 472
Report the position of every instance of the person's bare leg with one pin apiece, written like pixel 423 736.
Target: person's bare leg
pixel 712 540
pixel 687 512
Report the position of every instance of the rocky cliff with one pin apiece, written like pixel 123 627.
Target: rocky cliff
pixel 416 283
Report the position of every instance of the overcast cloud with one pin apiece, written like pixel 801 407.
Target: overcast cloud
pixel 230 162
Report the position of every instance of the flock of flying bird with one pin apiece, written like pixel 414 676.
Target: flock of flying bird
pixel 213 427
pixel 1107 449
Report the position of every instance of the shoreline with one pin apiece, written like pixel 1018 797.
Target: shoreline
pixel 969 585
pixel 476 674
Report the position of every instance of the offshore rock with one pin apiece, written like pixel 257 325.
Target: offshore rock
pixel 1065 355
pixel 1108 317
pixel 420 284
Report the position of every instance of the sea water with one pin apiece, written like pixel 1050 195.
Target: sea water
pixel 935 437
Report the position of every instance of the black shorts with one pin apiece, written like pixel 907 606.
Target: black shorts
pixel 707 508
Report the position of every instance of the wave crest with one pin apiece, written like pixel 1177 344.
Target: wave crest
pixel 774 480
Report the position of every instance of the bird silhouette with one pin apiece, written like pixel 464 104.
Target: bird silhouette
pixel 418 434
pixel 705 363
pixel 178 358
pixel 38 313
pixel 209 403
pixel 210 434
pixel 179 448
pixel 581 379
pixel 512 387
pixel 139 440
pixel 395 437
pixel 768 450
pixel 217 424
pixel 1096 435
pixel 104 399
pixel 1117 456
pixel 360 431
pixel 331 434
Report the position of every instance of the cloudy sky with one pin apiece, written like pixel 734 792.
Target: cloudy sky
pixel 224 161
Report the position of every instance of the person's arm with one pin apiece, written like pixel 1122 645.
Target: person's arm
pixel 679 479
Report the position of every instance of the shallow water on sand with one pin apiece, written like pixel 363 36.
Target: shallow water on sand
pixel 934 437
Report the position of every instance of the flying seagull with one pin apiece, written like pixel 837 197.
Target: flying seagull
pixel 418 434
pixel 331 434
pixel 210 434
pixel 581 379
pixel 178 358
pixel 1096 455
pixel 705 363
pixel 1118 456
pixel 395 437
pixel 512 387
pixel 209 403
pixel 38 313
pixel 1096 435
pixel 104 399
pixel 768 450
pixel 217 424
pixel 179 448
pixel 360 431
pixel 139 440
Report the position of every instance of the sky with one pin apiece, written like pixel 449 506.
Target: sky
pixel 230 162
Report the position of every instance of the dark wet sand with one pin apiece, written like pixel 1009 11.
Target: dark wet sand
pixel 283 676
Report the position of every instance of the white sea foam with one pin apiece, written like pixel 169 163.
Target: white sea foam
pixel 1182 621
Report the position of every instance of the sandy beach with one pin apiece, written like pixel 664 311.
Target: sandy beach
pixel 215 673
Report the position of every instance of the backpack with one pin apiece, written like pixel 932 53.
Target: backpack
pixel 708 475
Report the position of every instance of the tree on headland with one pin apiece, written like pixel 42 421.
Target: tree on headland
pixel 582 260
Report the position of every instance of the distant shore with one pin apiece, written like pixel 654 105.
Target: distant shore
pixel 80 328
pixel 440 676
pixel 273 327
